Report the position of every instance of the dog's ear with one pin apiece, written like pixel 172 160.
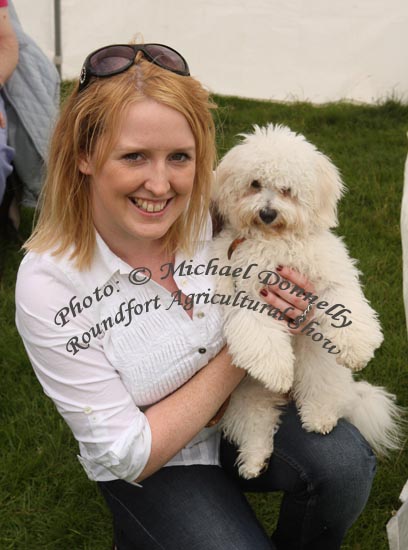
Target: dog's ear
pixel 230 166
pixel 214 187
pixel 217 219
pixel 331 189
pixel 221 191
pixel 218 200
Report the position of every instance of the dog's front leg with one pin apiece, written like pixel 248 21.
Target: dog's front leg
pixel 250 422
pixel 352 325
pixel 322 389
pixel 347 319
pixel 260 346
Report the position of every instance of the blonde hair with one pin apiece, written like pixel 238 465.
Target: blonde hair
pixel 89 125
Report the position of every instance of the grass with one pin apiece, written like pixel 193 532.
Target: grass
pixel 46 501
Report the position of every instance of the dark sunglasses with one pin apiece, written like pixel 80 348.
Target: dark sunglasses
pixel 115 59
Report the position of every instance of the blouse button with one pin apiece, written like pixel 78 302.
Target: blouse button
pixel 88 410
pixel 201 350
pixel 200 314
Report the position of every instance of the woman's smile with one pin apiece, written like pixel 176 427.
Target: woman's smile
pixel 149 207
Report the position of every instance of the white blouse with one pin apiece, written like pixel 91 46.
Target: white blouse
pixel 104 345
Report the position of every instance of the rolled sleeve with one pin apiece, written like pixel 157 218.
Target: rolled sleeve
pixel 125 459
pixel 114 435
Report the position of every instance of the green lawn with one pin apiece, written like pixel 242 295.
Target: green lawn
pixel 46 501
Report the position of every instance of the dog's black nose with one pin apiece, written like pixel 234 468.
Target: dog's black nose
pixel 267 215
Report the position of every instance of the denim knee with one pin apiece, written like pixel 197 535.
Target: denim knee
pixel 6 159
pixel 344 474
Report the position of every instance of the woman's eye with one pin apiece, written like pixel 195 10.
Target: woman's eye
pixel 285 191
pixel 180 157
pixel 255 184
pixel 133 157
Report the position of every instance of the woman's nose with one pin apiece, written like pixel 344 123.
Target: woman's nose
pixel 157 180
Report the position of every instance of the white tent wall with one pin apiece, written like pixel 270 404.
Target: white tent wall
pixel 313 50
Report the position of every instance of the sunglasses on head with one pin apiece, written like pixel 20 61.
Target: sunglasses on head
pixel 115 59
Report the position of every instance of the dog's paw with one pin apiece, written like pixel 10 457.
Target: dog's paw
pixel 251 471
pixel 320 423
pixel 352 361
pixel 356 355
pixel 280 384
pixel 278 378
pixel 252 464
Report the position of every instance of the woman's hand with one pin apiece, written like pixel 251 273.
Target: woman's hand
pixel 289 301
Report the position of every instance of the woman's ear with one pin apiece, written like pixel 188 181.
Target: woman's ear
pixel 85 165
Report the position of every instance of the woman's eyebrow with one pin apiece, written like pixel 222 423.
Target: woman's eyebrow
pixel 142 148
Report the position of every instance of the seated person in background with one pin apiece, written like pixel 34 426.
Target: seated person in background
pixel 8 62
pixel 31 100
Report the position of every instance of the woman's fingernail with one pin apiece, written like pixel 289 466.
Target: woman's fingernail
pixel 264 292
pixel 279 268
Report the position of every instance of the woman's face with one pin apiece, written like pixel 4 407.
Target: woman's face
pixel 147 180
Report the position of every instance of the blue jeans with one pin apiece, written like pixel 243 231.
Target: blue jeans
pixel 326 481
pixel 6 155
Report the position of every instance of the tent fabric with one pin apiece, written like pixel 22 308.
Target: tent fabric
pixel 310 50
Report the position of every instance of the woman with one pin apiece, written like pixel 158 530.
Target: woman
pixel 105 311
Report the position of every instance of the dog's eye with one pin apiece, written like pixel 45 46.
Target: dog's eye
pixel 285 191
pixel 255 184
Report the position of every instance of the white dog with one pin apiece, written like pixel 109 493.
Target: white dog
pixel 277 195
